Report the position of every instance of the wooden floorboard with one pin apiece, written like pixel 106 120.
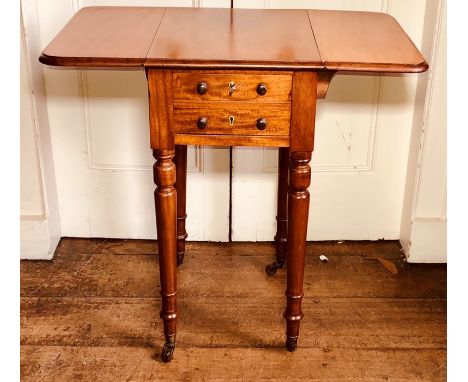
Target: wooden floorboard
pixel 231 270
pixel 92 314
pixel 333 323
pixel 58 363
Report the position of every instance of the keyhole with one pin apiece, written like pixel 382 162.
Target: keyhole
pixel 231 120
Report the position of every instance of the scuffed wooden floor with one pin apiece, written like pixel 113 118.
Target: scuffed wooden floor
pixel 91 314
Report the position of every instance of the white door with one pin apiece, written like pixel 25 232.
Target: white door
pixel 100 137
pixel 359 164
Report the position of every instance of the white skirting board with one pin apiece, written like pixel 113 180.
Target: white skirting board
pixel 428 242
pixel 38 241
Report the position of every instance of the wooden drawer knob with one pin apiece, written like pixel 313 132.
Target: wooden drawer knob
pixel 202 122
pixel 261 89
pixel 261 124
pixel 202 88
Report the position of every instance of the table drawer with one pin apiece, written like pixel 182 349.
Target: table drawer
pixel 200 86
pixel 232 119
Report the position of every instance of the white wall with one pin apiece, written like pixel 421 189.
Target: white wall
pixel 40 225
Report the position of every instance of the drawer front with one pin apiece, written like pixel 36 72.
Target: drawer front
pixel 199 86
pixel 232 119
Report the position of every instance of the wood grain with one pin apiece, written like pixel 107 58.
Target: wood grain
pixel 71 363
pixel 89 314
pixel 278 86
pixel 245 116
pixel 160 109
pixel 303 106
pixel 232 140
pixel 105 36
pixel 333 323
pixel 298 213
pixel 364 41
pixel 99 268
pixel 165 200
pixel 234 38
pixel 323 82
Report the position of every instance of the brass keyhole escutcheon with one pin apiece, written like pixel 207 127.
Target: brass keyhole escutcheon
pixel 231 120
pixel 232 87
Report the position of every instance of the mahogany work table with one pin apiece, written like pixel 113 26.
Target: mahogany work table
pixel 233 77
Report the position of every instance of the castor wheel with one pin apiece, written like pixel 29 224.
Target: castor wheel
pixel 167 352
pixel 291 343
pixel 272 268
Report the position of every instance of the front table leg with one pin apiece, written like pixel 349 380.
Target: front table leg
pixel 298 212
pixel 165 197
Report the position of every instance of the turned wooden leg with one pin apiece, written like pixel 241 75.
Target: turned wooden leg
pixel 298 212
pixel 180 161
pixel 281 212
pixel 165 198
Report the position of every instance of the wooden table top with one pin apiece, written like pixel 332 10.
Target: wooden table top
pixel 234 38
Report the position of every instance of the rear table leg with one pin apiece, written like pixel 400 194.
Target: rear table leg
pixel 282 212
pixel 180 161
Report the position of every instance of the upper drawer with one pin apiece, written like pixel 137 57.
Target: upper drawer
pixel 232 87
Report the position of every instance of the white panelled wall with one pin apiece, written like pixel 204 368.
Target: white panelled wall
pixel 364 130
pixel 361 148
pixel 39 215
pixel 424 221
pixel 378 166
pixel 99 127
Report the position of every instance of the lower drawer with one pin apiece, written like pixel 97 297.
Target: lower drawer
pixel 232 119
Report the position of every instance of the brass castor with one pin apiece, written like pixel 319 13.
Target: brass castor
pixel 272 268
pixel 291 343
pixel 167 352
